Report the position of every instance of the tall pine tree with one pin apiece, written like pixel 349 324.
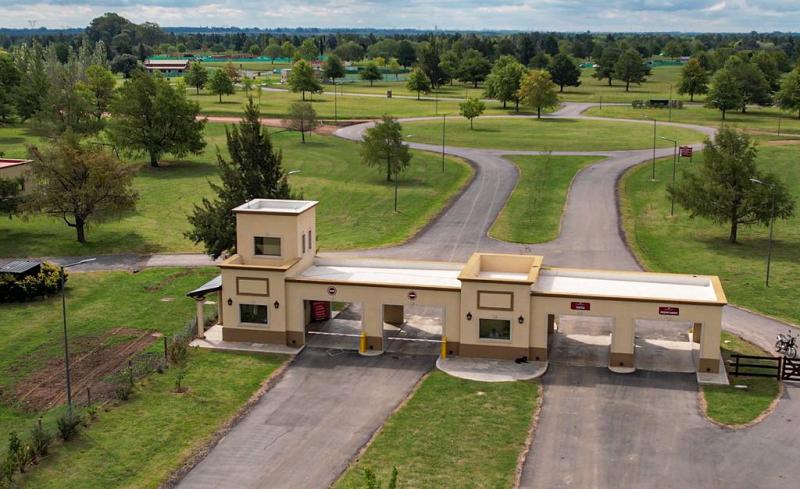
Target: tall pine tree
pixel 253 172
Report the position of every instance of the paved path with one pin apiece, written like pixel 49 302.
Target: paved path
pixel 305 431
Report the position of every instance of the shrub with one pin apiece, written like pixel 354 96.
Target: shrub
pixel 40 439
pixel 7 469
pixel 46 282
pixel 177 350
pixel 68 424
pixel 124 384
pixel 179 376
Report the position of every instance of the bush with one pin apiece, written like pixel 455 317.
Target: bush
pixel 178 350
pixel 7 469
pixel 46 282
pixel 124 384
pixel 68 424
pixel 40 439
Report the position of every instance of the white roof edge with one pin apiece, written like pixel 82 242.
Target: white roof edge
pixel 283 206
pixel 334 261
pixel 628 276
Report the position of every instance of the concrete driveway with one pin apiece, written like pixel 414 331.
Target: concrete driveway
pixel 303 433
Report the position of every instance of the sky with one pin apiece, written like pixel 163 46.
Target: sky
pixel 530 15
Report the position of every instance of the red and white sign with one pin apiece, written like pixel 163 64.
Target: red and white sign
pixel 331 290
pixel 686 151
pixel 669 311
pixel 580 306
pixel 412 295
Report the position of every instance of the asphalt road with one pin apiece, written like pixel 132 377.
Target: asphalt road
pixel 303 433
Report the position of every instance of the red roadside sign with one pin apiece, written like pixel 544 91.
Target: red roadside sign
pixel 580 306
pixel 686 151
pixel 669 311
pixel 412 295
pixel 332 290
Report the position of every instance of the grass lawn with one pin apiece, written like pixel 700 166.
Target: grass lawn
pixel 141 442
pixel 656 87
pixel 732 406
pixel 475 445
pixel 756 118
pixel 276 104
pixel 683 245
pixel 533 213
pixel 546 134
pixel 331 169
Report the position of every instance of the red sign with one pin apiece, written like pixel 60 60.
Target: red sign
pixel 580 306
pixel 686 151
pixel 669 311
pixel 332 290
pixel 412 295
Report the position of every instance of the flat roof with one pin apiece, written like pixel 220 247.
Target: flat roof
pixel 17 267
pixel 398 273
pixel 213 285
pixel 276 206
pixel 663 287
pixel 162 62
pixel 6 162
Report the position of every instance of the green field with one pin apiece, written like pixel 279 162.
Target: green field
pixel 656 87
pixel 683 245
pixel 137 443
pixel 533 212
pixel 560 134
pixel 756 118
pixel 331 169
pixel 735 406
pixel 475 445
pixel 276 104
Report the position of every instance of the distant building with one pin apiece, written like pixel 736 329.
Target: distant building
pixel 16 170
pixel 167 67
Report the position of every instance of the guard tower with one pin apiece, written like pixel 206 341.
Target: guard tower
pixel 274 239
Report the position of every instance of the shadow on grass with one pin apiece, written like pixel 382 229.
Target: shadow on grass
pixel 753 248
pixel 178 169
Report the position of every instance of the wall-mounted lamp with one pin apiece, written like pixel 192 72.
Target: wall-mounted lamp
pixel 520 320
pixel 277 304
pixel 230 301
pixel 469 316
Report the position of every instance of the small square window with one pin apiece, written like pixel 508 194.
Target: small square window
pixel 253 313
pixel 304 244
pixel 310 245
pixel 495 329
pixel 267 246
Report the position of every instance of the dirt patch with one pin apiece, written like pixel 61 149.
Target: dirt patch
pixel 92 361
pixel 325 129
pixel 782 142
pixel 167 280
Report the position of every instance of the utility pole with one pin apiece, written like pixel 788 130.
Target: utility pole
pixel 771 223
pixel 66 342
pixel 444 119
pixel 654 151
pixel 674 163
pixel 670 102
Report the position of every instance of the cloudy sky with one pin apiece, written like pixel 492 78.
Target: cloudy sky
pixel 558 15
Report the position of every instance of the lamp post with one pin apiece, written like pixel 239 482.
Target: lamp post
pixel 771 188
pixel 654 151
pixel 334 101
pixel 64 316
pixel 395 191
pixel 444 119
pixel 670 102
pixel 674 162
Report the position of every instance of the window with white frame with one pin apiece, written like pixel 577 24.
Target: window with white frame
pixel 267 246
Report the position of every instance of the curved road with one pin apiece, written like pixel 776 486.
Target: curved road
pixel 599 429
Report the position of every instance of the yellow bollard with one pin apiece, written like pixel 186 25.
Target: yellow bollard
pixel 362 343
pixel 444 347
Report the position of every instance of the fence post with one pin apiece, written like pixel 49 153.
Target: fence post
pixel 88 396
pixel 165 349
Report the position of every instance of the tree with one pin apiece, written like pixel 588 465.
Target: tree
pixel 68 105
pixel 429 60
pixel 9 81
pixel 221 84
pixel 673 49
pixel 725 93
pixel 788 97
pixel 721 189
pixel 394 67
pixel 150 116
pixel 308 50
pixel 471 108
pixel 383 145
pixel 10 190
pixel 768 66
pixel 605 64
pixel 196 76
pixel 273 50
pixel 30 96
pixel 302 117
pixel 124 64
pixel 288 50
pixel 539 61
pixel 449 64
pixel 538 90
pixel 504 81
pixel 418 82
pixel 474 67
pixel 694 79
pixel 80 184
pixel 100 84
pixel 232 72
pixel 349 51
pixel 303 79
pixel 371 72
pixel 254 170
pixel 334 68
pixel 752 83
pixel 248 84
pixel 630 68
pixel 564 71
pixel 254 49
pixel 406 53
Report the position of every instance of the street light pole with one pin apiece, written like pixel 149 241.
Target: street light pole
pixel 395 192
pixel 66 342
pixel 654 151
pixel 670 102
pixel 771 223
pixel 444 119
pixel 335 115
pixel 674 163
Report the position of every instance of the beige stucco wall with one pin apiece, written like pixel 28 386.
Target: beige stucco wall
pixel 18 171
pixel 290 228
